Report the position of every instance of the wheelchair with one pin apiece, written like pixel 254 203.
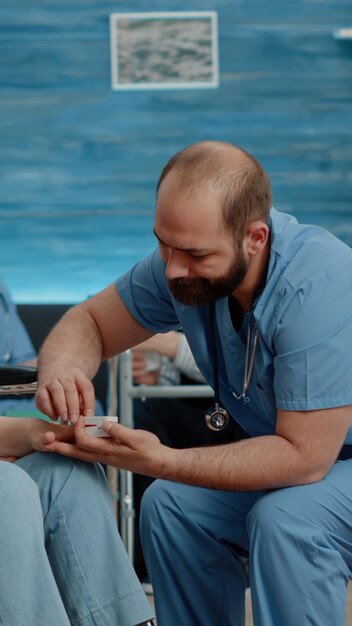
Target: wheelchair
pixel 18 380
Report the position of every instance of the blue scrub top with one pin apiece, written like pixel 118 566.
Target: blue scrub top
pixel 303 360
pixel 15 344
pixel 15 347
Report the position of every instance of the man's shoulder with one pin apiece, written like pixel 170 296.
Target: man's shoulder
pixel 306 263
pixel 302 250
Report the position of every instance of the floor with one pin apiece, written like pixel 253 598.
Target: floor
pixel 249 618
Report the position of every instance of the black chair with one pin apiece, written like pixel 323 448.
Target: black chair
pixel 17 380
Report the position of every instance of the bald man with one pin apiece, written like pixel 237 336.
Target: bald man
pixel 265 304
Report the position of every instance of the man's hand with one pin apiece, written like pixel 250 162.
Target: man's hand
pixel 66 395
pixel 88 333
pixel 134 450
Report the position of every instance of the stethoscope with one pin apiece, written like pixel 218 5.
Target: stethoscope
pixel 217 417
pixel 5 330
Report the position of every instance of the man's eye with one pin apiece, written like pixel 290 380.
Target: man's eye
pixel 199 257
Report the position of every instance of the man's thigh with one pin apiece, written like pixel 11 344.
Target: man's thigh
pixel 317 512
pixel 224 514
pixel 221 514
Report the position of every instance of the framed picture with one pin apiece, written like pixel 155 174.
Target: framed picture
pixel 167 50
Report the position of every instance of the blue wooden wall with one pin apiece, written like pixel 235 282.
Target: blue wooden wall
pixel 79 162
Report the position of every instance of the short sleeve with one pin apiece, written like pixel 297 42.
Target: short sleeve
pixel 313 357
pixel 145 293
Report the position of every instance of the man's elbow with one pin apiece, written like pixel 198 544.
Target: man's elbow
pixel 315 473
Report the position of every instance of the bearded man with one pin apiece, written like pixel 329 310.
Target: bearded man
pixel 265 304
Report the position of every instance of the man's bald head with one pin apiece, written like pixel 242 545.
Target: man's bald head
pixel 225 169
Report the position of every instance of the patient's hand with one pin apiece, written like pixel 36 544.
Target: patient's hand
pixel 40 433
pixel 141 374
pixel 22 435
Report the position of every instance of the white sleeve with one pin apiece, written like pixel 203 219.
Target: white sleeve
pixel 185 362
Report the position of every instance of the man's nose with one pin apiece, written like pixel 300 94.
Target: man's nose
pixel 176 265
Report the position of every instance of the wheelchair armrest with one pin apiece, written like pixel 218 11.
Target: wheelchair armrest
pixel 17 375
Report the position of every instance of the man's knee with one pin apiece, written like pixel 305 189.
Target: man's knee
pixel 153 498
pixel 156 500
pixel 271 514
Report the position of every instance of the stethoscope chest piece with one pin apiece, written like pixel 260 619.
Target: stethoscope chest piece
pixel 217 418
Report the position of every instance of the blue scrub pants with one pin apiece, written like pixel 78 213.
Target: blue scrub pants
pixel 299 541
pixel 62 561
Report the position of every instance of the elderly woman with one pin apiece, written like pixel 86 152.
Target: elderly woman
pixel 61 558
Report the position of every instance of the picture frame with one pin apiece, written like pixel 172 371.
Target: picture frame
pixel 164 50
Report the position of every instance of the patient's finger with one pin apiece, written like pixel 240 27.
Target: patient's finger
pixel 59 433
pixel 48 437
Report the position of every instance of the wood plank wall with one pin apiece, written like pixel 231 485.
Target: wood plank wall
pixel 79 162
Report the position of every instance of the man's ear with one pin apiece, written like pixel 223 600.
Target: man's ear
pixel 257 234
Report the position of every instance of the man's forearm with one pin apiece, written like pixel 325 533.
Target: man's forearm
pixel 254 464
pixel 74 342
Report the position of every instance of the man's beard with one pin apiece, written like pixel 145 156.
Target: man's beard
pixel 198 291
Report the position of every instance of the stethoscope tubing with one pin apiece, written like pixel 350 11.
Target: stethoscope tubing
pixel 218 414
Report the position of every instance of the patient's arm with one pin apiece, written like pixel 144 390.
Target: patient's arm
pixel 21 435
pixel 175 346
